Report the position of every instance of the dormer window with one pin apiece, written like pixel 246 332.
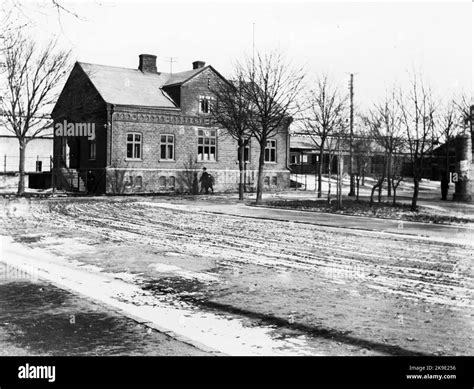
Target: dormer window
pixel 204 104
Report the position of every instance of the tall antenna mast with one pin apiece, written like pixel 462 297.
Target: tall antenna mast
pixel 253 44
pixel 171 60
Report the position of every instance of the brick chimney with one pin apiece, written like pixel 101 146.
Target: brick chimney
pixel 198 64
pixel 147 63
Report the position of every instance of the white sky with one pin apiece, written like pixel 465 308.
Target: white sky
pixel 379 42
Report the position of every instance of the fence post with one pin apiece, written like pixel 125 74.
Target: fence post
pixel 51 168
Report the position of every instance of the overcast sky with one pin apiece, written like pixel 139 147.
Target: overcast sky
pixel 379 42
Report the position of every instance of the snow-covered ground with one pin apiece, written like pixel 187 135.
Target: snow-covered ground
pixel 247 286
pixel 428 189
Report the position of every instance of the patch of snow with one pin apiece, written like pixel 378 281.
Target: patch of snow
pixel 226 335
pixel 180 272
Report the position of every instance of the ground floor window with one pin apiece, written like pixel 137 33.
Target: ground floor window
pixel 167 147
pixel 207 145
pixel 92 149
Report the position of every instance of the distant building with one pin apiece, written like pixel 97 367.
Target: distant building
pixel 38 151
pixel 304 157
pixel 153 133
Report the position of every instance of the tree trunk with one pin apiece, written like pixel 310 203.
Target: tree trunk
pixel 339 180
pixel 357 187
pixel 241 170
pixel 394 193
pixel 261 162
pixel 21 168
pixel 377 185
pixel 416 189
pixel 389 176
pixel 320 172
pixel 329 180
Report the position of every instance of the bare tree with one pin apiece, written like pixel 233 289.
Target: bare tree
pixel 271 87
pixel 32 77
pixel 15 15
pixel 450 125
pixel 464 111
pixel 334 146
pixel 323 118
pixel 396 176
pixel 385 125
pixel 362 152
pixel 231 110
pixel 418 110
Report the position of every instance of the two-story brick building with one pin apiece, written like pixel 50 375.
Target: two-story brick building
pixel 153 132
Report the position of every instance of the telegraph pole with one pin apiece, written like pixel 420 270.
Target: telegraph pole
pixel 351 139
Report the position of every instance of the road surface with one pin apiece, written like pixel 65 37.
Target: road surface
pixel 328 290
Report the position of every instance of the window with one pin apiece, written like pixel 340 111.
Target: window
pixel 246 153
pixel 207 145
pixel 134 146
pixel 270 151
pixel 167 147
pixel 204 104
pixel 171 182
pixel 138 181
pixel 92 148
pixel 162 182
pixel 274 181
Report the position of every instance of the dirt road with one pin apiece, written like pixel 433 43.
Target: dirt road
pixel 345 292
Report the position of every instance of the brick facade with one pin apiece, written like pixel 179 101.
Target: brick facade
pixel 150 174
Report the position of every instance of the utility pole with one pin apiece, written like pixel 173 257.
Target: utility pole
pixel 171 60
pixel 351 139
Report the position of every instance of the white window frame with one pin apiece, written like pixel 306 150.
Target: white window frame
pixel 134 143
pixel 167 143
pixel 203 135
pixel 270 148
pixel 207 99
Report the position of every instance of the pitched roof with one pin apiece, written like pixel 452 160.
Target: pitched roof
pixel 302 143
pixel 181 77
pixel 124 86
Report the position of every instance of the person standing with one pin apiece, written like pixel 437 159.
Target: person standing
pixel 444 185
pixel 204 180
pixel 195 184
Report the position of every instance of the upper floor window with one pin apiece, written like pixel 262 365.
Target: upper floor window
pixel 204 104
pixel 207 145
pixel 134 145
pixel 167 147
pixel 270 150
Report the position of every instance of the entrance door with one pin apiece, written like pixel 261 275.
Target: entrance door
pixel 74 153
